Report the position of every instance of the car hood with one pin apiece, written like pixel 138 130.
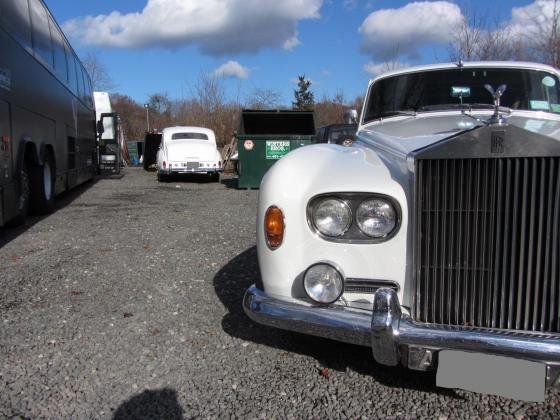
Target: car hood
pixel 191 150
pixel 403 135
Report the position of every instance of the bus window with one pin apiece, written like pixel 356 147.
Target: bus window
pixel 72 82
pixel 14 17
pixel 41 35
pixel 79 78
pixel 87 93
pixel 60 67
pixel 84 83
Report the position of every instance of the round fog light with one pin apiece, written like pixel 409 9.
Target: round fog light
pixel 323 283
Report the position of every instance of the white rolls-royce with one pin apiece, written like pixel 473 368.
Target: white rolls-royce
pixel 187 150
pixel 435 238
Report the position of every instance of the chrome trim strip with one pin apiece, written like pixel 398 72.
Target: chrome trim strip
pixel 368 286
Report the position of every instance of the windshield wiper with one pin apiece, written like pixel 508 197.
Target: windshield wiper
pixel 394 113
pixel 487 106
pixel 441 107
pixel 464 107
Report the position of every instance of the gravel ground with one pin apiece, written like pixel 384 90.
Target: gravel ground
pixel 126 302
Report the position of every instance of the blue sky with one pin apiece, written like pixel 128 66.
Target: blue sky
pixel 166 45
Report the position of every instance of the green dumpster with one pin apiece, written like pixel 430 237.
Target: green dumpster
pixel 266 136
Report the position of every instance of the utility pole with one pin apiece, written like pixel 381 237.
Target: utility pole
pixel 147 106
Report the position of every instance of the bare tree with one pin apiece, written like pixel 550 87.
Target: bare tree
pixel 133 115
pixel 466 40
pixel 544 39
pixel 391 60
pixel 160 115
pixel 538 39
pixel 476 40
pixel 264 99
pixel 98 73
pixel 331 110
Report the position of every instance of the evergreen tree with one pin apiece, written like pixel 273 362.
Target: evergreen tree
pixel 304 99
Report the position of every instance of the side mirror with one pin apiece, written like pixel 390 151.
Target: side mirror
pixel 351 116
pixel 100 127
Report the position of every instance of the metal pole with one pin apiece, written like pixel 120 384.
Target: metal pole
pixel 147 115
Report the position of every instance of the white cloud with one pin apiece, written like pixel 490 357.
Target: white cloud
pixel 374 69
pixel 390 32
pixel 216 26
pixel 532 19
pixel 291 43
pixel 232 69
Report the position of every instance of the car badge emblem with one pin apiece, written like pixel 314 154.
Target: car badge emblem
pixel 497 142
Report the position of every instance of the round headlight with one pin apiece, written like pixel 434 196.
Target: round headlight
pixel 332 217
pixel 376 217
pixel 323 283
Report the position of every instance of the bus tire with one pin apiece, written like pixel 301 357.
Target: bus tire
pixel 161 177
pixel 23 198
pixel 42 186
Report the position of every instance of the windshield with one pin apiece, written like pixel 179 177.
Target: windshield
pixel 462 89
pixel 189 136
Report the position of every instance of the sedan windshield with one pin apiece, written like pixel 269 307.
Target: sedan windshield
pixel 189 136
pixel 462 88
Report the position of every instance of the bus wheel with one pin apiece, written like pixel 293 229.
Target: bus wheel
pixel 42 187
pixel 161 177
pixel 23 199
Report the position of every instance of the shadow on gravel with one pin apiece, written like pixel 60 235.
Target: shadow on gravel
pixel 230 182
pixel 238 274
pixel 7 234
pixel 193 178
pixel 157 404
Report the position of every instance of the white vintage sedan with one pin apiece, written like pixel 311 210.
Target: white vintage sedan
pixel 188 150
pixel 435 238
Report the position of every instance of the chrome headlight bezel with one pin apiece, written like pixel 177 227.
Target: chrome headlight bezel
pixel 353 234
pixel 388 208
pixel 332 267
pixel 343 225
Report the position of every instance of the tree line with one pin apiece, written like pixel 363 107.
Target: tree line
pixel 209 106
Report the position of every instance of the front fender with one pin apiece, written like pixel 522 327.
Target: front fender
pixel 291 183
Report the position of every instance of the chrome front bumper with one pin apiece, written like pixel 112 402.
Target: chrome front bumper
pixel 394 337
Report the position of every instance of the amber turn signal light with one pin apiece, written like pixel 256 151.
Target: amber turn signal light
pixel 274 226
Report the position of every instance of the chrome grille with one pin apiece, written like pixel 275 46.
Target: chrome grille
pixel 487 243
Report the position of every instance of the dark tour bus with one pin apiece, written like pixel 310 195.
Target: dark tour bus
pixel 47 118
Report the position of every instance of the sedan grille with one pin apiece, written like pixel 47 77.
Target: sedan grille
pixel 487 243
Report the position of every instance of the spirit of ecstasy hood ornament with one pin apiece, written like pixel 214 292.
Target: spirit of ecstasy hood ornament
pixel 496 118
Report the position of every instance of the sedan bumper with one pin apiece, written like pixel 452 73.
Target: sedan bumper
pixel 394 337
pixel 180 170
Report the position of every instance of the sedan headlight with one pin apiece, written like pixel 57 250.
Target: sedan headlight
pixel 332 217
pixel 323 283
pixel 376 217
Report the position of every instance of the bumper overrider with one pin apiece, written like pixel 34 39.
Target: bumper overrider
pixel 397 339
